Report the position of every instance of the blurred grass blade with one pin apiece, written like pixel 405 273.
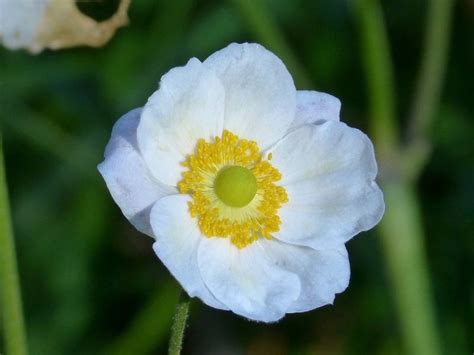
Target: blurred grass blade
pixel 149 329
pixel 12 314
pixel 401 228
pixel 42 133
pixel 261 23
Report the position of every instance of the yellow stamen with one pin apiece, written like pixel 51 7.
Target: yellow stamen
pixel 220 176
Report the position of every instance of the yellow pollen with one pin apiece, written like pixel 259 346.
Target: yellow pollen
pixel 233 190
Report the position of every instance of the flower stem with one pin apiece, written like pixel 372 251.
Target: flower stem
pixel 402 240
pixel 401 229
pixel 378 68
pixel 179 324
pixel 430 79
pixel 13 323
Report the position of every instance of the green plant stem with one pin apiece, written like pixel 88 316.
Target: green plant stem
pixel 13 323
pixel 378 68
pixel 401 228
pixel 433 66
pixel 179 324
pixel 259 20
pixel 403 244
pixel 428 89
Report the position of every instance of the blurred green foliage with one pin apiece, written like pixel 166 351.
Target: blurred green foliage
pixel 91 283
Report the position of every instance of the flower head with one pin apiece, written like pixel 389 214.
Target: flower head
pixel 249 187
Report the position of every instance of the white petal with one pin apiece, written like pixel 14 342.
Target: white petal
pixel 177 242
pixel 328 171
pixel 188 105
pixel 124 171
pixel 322 273
pixel 260 97
pixel 19 21
pixel 247 280
pixel 314 106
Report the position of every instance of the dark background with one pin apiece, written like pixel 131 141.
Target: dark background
pixel 91 283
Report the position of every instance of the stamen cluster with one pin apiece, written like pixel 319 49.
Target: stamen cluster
pixel 243 225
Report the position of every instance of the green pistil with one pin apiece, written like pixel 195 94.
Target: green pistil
pixel 235 186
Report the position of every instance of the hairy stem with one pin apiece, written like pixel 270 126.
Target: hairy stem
pixel 12 314
pixel 179 324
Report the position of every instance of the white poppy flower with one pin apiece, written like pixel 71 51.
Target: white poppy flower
pixel 54 24
pixel 249 187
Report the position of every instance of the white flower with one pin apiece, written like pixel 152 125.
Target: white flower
pixel 249 187
pixel 54 24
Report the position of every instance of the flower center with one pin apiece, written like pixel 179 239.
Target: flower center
pixel 233 190
pixel 236 186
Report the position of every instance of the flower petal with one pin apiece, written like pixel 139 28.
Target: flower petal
pixel 247 280
pixel 260 97
pixel 124 171
pixel 177 242
pixel 188 105
pixel 314 106
pixel 322 273
pixel 20 21
pixel 328 171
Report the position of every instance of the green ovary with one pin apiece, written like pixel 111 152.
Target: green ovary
pixel 235 186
